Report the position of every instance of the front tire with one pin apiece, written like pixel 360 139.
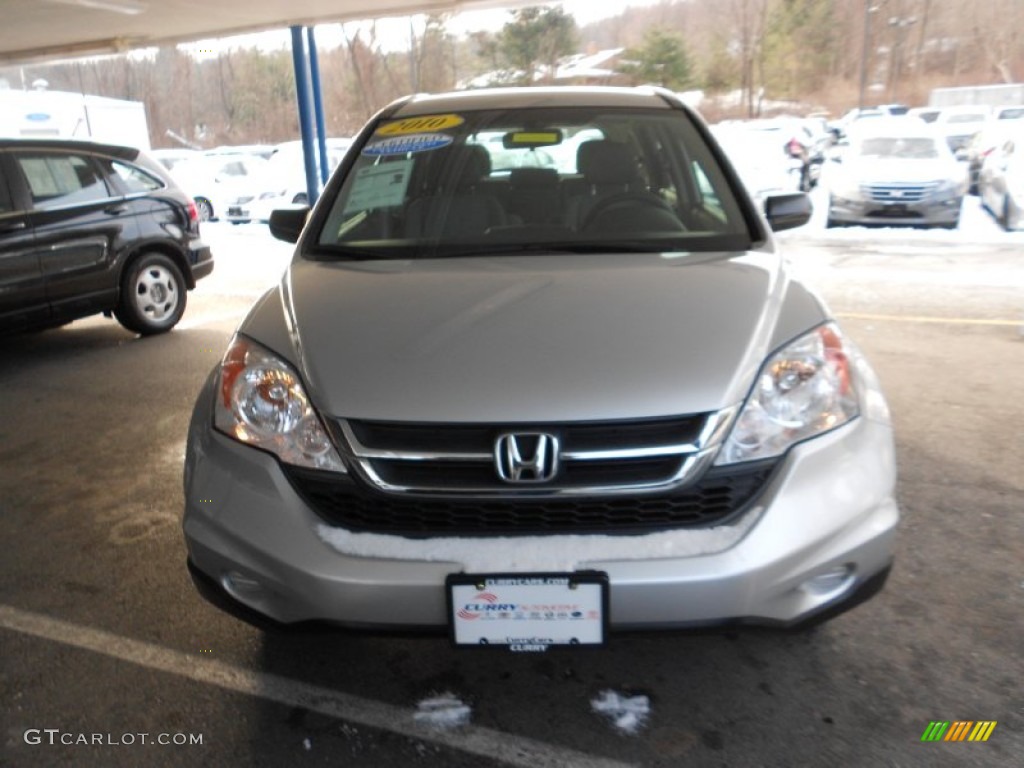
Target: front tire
pixel 153 295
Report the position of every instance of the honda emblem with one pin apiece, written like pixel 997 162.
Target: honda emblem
pixel 526 457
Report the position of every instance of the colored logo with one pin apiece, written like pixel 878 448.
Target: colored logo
pixel 480 602
pixel 400 145
pixel 958 730
pixel 37 117
pixel 419 125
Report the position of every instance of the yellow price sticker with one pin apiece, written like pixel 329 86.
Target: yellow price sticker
pixel 419 124
pixel 535 138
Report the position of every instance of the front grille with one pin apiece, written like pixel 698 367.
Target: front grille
pixel 581 436
pixel 898 192
pixel 719 496
pixel 438 474
pixel 458 459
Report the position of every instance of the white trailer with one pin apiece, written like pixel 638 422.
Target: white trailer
pixel 68 115
pixel 977 95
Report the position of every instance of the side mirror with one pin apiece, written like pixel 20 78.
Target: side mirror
pixel 787 211
pixel 287 223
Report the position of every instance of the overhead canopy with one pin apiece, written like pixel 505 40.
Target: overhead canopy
pixel 49 29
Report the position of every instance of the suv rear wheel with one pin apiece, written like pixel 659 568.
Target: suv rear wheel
pixel 152 295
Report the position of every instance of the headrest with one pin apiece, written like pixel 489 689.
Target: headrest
pixel 470 163
pixel 533 177
pixel 606 162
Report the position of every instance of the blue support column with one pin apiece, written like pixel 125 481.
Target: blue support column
pixel 318 104
pixel 301 64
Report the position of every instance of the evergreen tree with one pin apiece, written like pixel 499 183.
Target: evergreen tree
pixel 661 60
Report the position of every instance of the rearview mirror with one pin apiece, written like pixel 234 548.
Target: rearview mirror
pixel 787 211
pixel 287 223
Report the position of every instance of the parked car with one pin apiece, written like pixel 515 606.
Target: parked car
pixel 169 158
pixel 927 114
pixel 215 179
pixel 1001 182
pixel 799 139
pixel 894 109
pixel 839 128
pixel 1008 112
pixel 896 172
pixel 264 151
pixel 280 183
pixel 959 124
pixel 983 143
pixel 88 228
pixel 622 403
pixel 765 167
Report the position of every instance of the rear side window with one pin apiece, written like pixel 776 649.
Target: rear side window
pixel 134 179
pixel 57 180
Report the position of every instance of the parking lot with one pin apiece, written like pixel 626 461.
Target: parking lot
pixel 102 633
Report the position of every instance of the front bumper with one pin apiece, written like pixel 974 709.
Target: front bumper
pixel 933 212
pixel 829 508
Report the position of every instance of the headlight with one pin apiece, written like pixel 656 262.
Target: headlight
pixel 950 188
pixel 261 402
pixel 802 391
pixel 845 186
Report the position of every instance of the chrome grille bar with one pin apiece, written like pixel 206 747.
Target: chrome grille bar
pixel 629 463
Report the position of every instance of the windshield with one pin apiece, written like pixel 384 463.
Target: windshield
pixel 907 148
pixel 529 180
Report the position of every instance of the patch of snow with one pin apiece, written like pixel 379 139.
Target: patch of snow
pixel 443 711
pixel 627 713
pixel 539 553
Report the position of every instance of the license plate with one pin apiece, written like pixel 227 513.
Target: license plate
pixel 527 612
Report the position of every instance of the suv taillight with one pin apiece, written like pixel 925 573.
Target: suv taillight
pixel 193 212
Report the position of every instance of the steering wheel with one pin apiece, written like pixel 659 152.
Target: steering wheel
pixel 625 200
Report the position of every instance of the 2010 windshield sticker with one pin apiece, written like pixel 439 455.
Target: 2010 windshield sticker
pixel 419 125
pixel 400 145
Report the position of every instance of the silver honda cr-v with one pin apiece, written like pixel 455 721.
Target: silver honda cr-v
pixel 537 371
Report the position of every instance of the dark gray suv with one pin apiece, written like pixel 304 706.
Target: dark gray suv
pixel 88 228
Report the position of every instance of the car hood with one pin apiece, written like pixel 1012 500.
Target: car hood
pixel 533 338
